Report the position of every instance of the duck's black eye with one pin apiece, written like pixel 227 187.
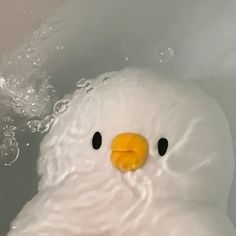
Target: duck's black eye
pixel 97 140
pixel 162 146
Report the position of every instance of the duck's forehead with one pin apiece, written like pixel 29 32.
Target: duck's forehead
pixel 138 97
pixel 144 96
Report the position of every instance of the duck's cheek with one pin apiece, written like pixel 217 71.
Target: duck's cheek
pixel 184 155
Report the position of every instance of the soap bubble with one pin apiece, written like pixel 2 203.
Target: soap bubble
pixel 9 150
pixel 46 124
pixel 106 80
pixel 41 126
pixel 9 153
pixel 165 54
pixel 33 125
pixel 87 85
pixel 2 83
pixel 37 62
pixel 81 83
pixel 9 131
pixel 60 106
pixel 88 91
pixel 59 47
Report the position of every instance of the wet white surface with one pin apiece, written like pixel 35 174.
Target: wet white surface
pixel 81 192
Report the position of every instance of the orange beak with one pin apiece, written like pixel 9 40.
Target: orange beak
pixel 129 151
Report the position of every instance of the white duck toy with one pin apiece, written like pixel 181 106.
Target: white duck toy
pixel 134 154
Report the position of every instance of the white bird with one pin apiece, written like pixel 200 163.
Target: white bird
pixel 133 154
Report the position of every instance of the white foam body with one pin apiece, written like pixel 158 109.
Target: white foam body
pixel 183 192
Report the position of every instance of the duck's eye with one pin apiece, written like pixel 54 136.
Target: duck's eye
pixel 162 146
pixel 97 140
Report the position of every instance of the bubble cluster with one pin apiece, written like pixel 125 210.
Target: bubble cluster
pixel 25 86
pixel 9 150
pixel 81 83
pixel 9 145
pixel 41 126
pixel 85 84
pixel 31 100
pixel 48 28
pixel 27 90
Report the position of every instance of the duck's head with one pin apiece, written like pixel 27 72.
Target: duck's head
pixel 134 123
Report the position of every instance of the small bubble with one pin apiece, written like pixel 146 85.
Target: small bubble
pixel 45 35
pixel 81 83
pixel 60 106
pixel 2 82
pixel 37 62
pixel 22 129
pixel 9 131
pixel 59 47
pixel 46 124
pixel 17 99
pixel 106 80
pixel 33 110
pixel 18 83
pixel 87 85
pixel 54 28
pixel 165 54
pixel 33 125
pixel 27 144
pixel 90 90
pixel 9 151
pixel 30 90
pixel 18 105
